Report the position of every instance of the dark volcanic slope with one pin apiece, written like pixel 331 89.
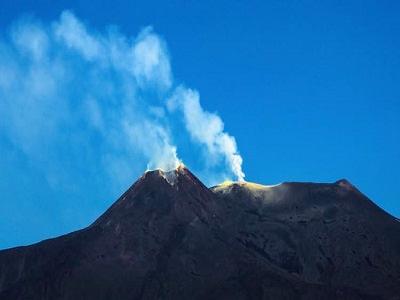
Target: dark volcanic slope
pixel 170 237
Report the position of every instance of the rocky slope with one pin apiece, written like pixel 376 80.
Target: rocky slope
pixel 171 237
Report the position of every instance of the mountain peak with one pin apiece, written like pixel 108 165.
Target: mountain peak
pixel 161 192
pixel 344 183
pixel 180 178
pixel 171 176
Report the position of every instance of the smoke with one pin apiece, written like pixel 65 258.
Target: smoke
pixel 69 93
pixel 160 153
pixel 207 128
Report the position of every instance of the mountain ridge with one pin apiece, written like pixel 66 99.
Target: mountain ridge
pixel 169 236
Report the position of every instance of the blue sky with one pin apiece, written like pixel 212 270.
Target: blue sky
pixel 308 91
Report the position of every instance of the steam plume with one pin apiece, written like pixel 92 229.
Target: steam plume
pixel 71 93
pixel 207 128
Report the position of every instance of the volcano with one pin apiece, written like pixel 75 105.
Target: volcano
pixel 170 237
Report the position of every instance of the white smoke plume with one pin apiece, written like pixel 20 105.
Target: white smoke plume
pixel 207 128
pixel 71 93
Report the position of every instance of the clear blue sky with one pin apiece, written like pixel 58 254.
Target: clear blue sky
pixel 309 89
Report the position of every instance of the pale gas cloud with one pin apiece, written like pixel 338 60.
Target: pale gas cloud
pixel 75 36
pixel 145 58
pixel 67 90
pixel 150 60
pixel 207 128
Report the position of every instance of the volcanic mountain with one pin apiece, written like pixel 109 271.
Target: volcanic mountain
pixel 170 237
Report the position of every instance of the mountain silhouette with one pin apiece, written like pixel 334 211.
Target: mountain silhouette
pixel 170 237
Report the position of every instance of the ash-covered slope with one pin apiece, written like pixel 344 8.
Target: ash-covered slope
pixel 170 237
pixel 329 234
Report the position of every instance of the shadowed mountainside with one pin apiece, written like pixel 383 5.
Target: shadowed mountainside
pixel 171 237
